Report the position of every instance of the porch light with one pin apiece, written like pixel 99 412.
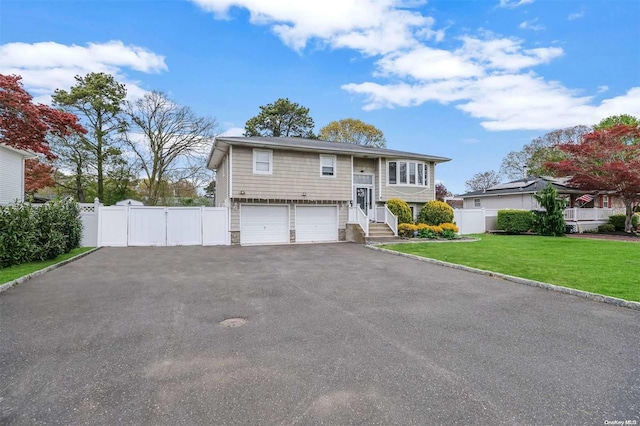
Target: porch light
pixel 242 192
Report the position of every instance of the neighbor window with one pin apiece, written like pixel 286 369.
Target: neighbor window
pixel 476 202
pixel 262 161
pixel 605 202
pixel 410 173
pixel 328 165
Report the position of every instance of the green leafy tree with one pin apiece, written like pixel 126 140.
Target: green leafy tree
pixel 282 118
pixel 550 221
pixel 353 131
pixel 97 100
pixel 611 121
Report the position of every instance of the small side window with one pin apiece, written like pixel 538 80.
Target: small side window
pixel 476 202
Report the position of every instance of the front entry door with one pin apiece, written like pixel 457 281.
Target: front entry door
pixel 364 198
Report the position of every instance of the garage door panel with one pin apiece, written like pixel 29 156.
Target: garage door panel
pixel 264 224
pixel 316 223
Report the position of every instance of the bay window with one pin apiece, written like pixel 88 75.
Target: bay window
pixel 407 173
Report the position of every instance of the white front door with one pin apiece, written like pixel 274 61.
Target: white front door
pixel 363 194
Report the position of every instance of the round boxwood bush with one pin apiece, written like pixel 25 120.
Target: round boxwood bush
pixel 435 212
pixel 618 220
pixel 401 209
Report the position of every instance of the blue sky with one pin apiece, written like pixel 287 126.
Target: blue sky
pixel 469 80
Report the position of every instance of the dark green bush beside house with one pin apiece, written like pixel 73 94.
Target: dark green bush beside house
pixel 515 221
pixel 435 212
pixel 617 220
pixel 29 233
pixel 549 221
pixel 401 209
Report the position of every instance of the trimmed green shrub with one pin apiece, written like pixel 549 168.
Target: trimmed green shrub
pixel 401 209
pixel 29 233
pixel 435 212
pixel 515 221
pixel 607 227
pixel 617 220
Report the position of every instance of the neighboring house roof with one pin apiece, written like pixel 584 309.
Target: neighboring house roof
pixel 22 152
pixel 528 185
pixel 222 143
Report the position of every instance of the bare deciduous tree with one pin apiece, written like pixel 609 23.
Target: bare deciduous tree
pixel 169 140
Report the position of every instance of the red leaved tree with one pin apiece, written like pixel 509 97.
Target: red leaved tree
pixel 25 125
pixel 606 159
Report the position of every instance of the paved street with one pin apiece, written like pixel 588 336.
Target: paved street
pixel 334 334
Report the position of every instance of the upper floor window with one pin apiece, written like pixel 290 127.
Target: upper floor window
pixel 262 161
pixel 476 202
pixel 328 165
pixel 411 173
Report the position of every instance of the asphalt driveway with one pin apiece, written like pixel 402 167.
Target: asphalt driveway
pixel 334 334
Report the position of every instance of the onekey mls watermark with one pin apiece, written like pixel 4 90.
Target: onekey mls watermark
pixel 621 422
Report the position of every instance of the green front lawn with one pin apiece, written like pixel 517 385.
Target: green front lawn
pixel 610 268
pixel 14 272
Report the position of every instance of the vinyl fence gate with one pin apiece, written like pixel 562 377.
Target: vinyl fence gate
pixel 121 226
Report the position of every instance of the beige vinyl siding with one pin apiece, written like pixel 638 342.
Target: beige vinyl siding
pixel 294 173
pixel 343 214
pixel 410 194
pixel 222 183
pixel 365 165
pixel 508 201
pixel 11 177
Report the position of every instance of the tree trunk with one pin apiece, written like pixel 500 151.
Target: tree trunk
pixel 79 188
pixel 628 222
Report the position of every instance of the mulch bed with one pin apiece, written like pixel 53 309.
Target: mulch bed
pixel 630 238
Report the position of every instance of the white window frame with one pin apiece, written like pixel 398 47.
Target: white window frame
pixel 477 203
pixel 334 160
pixel 425 173
pixel 255 161
pixel 606 202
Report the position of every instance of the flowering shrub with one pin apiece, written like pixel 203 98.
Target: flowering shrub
pixel 401 209
pixel 422 230
pixel 435 212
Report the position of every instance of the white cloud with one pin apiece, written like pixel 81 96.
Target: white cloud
pixel 602 89
pixel 487 76
pixel 510 4
pixel 532 25
pixel 370 26
pixel 47 66
pixel 575 15
pixel 233 131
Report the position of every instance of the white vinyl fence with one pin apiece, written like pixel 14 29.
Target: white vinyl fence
pixel 122 226
pixel 475 221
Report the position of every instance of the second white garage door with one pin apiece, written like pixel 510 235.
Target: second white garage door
pixel 316 223
pixel 264 224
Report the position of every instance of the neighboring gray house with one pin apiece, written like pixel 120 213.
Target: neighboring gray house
pixel 518 194
pixel 12 174
pixel 281 190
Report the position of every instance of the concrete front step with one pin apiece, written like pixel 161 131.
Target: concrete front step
pixel 377 230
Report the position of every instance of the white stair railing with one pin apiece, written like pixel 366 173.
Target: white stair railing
pixel 391 220
pixel 363 221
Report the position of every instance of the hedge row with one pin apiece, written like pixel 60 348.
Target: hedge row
pixel 515 221
pixel 32 233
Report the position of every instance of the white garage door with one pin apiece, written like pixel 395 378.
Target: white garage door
pixel 316 223
pixel 264 224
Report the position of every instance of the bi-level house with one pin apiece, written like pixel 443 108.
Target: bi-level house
pixel 281 190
